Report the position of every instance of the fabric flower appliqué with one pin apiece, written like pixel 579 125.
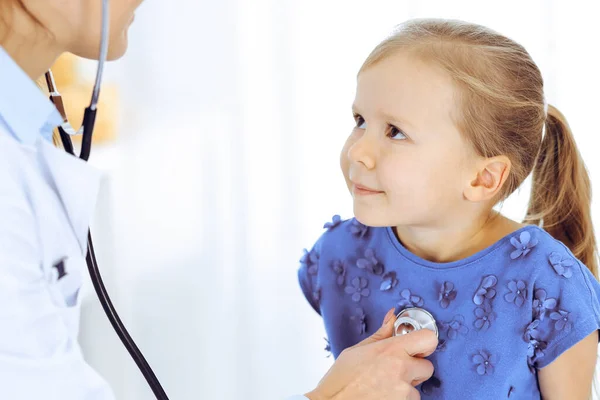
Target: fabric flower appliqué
pixel 535 350
pixel 531 331
pixel 563 320
pixel 523 245
pixel 327 347
pixel 484 317
pixel 455 327
pixel 541 304
pixel 357 229
pixel 358 289
pixel 430 385
pixel 339 267
pixel 335 221
pixel 562 266
pixel 316 294
pixel 311 260
pixel 486 290
pixel 447 294
pixel 389 281
pixel 517 294
pixel 409 300
pixel 370 263
pixel 484 362
pixel 441 345
pixel 360 320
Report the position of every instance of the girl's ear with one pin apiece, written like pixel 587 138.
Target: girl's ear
pixel 489 177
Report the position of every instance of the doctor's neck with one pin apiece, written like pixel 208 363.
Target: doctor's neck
pixel 25 40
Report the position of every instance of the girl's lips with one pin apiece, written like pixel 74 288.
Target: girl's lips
pixel 364 191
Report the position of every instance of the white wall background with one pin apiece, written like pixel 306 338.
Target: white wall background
pixel 227 166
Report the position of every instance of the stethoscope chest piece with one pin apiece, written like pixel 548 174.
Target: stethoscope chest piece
pixel 414 319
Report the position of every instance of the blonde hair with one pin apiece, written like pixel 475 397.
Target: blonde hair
pixel 501 110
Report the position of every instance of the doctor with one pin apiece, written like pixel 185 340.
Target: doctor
pixel 46 199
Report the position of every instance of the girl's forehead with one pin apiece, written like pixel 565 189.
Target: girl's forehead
pixel 404 85
pixel 403 76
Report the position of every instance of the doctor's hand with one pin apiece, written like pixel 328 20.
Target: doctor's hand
pixel 380 367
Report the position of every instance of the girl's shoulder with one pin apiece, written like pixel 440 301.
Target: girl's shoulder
pixel 545 257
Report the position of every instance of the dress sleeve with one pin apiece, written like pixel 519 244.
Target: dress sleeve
pixel 308 275
pixel 565 308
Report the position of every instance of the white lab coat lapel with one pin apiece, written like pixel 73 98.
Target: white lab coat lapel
pixel 77 185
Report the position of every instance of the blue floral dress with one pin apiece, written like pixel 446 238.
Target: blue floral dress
pixel 502 313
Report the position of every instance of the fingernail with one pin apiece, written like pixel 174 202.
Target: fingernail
pixel 388 317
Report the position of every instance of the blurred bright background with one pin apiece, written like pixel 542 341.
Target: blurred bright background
pixel 224 165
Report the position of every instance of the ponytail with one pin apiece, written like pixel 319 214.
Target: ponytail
pixel 560 194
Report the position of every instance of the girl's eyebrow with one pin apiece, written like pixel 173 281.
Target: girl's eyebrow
pixel 387 116
pixel 402 121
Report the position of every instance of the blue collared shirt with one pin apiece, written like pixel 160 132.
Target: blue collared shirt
pixel 24 110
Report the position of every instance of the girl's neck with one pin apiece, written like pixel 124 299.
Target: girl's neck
pixel 457 242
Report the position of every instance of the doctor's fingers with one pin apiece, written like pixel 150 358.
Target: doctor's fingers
pixel 415 370
pixel 421 343
pixel 413 394
pixel 407 392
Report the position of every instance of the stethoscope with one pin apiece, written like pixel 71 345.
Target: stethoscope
pixel 408 320
pixel 87 128
pixel 413 319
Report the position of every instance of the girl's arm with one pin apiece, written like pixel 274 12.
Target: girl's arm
pixel 570 375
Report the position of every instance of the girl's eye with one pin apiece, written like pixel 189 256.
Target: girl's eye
pixel 395 133
pixel 360 122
